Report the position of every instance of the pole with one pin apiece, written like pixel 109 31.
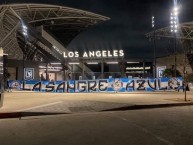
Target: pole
pixel 185 97
pixel 47 75
pixel 154 49
pixel 175 55
pixel 154 56
pixel 185 82
pixel 72 77
pixel 83 69
pixel 143 68
pixel 24 65
pixel 102 69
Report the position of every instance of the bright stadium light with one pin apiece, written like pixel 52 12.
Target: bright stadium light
pixel 153 22
pixel 174 20
pixel 175 9
pixel 24 29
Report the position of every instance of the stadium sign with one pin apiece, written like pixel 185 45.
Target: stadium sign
pixel 28 73
pixel 91 54
pixel 102 85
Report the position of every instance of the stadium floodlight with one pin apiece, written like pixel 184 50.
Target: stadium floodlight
pixel 153 22
pixel 176 9
pixel 24 26
pixel 24 29
pixel 174 20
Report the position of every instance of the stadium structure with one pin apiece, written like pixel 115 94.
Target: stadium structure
pixel 184 51
pixel 36 35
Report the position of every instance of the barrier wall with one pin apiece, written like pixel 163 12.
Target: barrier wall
pixel 102 85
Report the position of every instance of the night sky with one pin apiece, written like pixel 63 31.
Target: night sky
pixel 130 21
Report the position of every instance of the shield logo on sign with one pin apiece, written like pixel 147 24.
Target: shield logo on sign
pixel 29 73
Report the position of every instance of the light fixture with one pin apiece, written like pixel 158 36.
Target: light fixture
pixel 174 20
pixel 92 62
pixel 55 63
pixel 24 33
pixel 73 63
pixel 24 26
pixel 115 62
pixel 138 68
pixel 56 67
pixel 153 22
pixel 132 62
pixel 42 66
pixel 175 9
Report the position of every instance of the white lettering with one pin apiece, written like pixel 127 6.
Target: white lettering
pixel 91 53
pixel 64 54
pixel 85 54
pixel 98 54
pixel 109 54
pixel 121 53
pixel 115 53
pixel 76 54
pixel 71 54
pixel 104 53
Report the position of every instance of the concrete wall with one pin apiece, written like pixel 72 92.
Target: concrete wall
pixel 15 68
pixel 168 61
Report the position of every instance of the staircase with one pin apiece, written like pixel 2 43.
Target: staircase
pixel 58 46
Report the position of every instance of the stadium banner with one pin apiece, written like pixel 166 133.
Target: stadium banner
pixel 101 85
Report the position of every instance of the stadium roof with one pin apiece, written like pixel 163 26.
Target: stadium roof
pixel 185 32
pixel 63 23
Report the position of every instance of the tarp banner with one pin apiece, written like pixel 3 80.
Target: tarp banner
pixel 101 85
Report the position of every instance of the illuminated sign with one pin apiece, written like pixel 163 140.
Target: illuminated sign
pixel 90 54
pixel 160 71
pixel 101 85
pixel 29 73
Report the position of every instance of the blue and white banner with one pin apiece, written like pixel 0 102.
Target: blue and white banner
pixel 101 85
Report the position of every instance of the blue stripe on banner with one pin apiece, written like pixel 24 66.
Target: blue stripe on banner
pixel 110 89
pixel 129 90
pixel 112 84
pixel 122 90
pixel 124 79
pixel 149 89
pixel 111 80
